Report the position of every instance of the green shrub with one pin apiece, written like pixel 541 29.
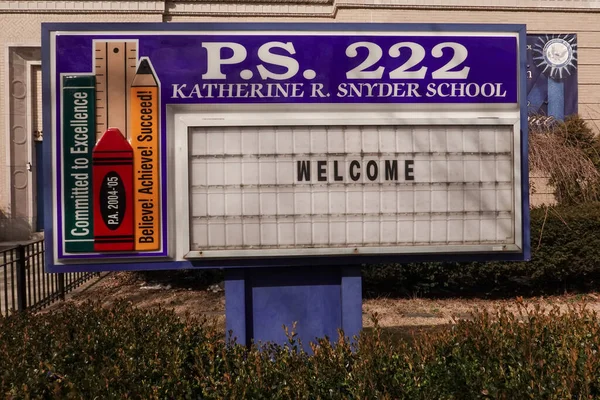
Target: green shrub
pixel 569 154
pixel 503 355
pixel 86 352
pixel 580 134
pixel 96 351
pixel 565 245
pixel 577 134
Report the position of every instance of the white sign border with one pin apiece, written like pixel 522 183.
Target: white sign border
pixel 181 119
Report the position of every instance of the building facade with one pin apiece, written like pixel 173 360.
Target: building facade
pixel 20 66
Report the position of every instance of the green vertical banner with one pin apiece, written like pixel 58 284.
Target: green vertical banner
pixel 78 140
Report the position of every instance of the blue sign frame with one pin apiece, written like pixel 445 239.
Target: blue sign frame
pixel 148 264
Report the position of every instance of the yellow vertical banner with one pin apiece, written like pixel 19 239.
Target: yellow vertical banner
pixel 144 131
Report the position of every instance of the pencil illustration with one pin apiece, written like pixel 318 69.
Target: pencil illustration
pixel 78 139
pixel 144 129
pixel 113 193
pixel 114 65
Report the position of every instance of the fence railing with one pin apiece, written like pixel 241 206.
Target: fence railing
pixel 24 285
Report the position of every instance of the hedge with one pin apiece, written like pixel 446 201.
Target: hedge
pixel 87 352
pixel 565 245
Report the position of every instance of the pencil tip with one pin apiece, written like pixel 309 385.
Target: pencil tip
pixel 144 67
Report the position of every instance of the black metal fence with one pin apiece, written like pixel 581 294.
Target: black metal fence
pixel 24 285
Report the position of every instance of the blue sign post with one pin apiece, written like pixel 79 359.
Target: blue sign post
pixel 288 154
pixel 260 301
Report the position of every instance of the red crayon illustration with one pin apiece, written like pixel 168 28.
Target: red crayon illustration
pixel 112 174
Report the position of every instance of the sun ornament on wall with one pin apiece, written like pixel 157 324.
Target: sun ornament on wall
pixel 556 55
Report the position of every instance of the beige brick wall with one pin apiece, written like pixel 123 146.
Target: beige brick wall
pixel 581 17
pixel 25 30
pixel 540 191
pixel 585 23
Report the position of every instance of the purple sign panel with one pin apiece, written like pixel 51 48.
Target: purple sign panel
pixel 310 68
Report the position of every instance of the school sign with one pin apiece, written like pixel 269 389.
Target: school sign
pixel 180 145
